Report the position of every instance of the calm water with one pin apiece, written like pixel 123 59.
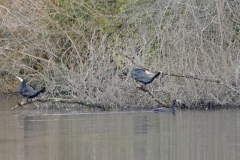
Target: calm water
pixel 27 134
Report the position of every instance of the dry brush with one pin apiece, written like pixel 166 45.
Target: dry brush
pixel 79 49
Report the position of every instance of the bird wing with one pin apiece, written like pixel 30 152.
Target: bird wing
pixel 141 76
pixel 28 91
pixel 32 87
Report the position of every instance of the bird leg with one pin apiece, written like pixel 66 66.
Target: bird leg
pixel 143 87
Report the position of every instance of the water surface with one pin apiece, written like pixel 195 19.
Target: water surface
pixel 27 134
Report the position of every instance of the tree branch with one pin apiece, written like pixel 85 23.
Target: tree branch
pixel 153 97
pixel 192 77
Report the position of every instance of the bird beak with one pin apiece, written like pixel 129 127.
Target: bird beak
pixel 19 78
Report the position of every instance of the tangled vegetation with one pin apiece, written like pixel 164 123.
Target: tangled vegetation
pixel 78 49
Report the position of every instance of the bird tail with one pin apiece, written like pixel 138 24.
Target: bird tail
pixel 42 90
pixel 156 75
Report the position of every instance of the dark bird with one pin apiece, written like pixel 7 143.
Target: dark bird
pixel 28 91
pixel 143 76
pixel 164 109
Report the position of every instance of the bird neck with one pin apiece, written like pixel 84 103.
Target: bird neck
pixel 174 105
pixel 24 83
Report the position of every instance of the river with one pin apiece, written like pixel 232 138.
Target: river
pixel 40 134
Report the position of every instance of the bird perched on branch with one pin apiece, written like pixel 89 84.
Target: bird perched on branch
pixel 28 91
pixel 164 109
pixel 143 76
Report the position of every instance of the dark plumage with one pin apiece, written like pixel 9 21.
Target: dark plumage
pixel 143 76
pixel 28 91
pixel 164 109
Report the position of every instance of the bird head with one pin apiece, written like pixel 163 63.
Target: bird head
pixel 19 78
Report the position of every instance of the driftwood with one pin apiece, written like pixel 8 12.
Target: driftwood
pixel 62 100
pixel 153 97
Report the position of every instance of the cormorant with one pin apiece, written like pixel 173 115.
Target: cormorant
pixel 28 91
pixel 143 76
pixel 164 109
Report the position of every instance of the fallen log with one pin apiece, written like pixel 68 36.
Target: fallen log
pixel 62 100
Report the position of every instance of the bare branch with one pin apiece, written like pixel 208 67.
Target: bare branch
pixel 153 97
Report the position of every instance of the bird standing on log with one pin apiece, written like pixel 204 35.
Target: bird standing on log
pixel 28 91
pixel 143 76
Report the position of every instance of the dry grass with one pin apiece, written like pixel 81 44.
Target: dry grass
pixel 78 51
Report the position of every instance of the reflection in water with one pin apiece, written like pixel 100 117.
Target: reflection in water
pixel 34 134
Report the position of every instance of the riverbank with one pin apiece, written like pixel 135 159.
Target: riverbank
pixel 70 104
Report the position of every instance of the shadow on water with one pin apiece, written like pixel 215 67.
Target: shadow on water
pixel 41 134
